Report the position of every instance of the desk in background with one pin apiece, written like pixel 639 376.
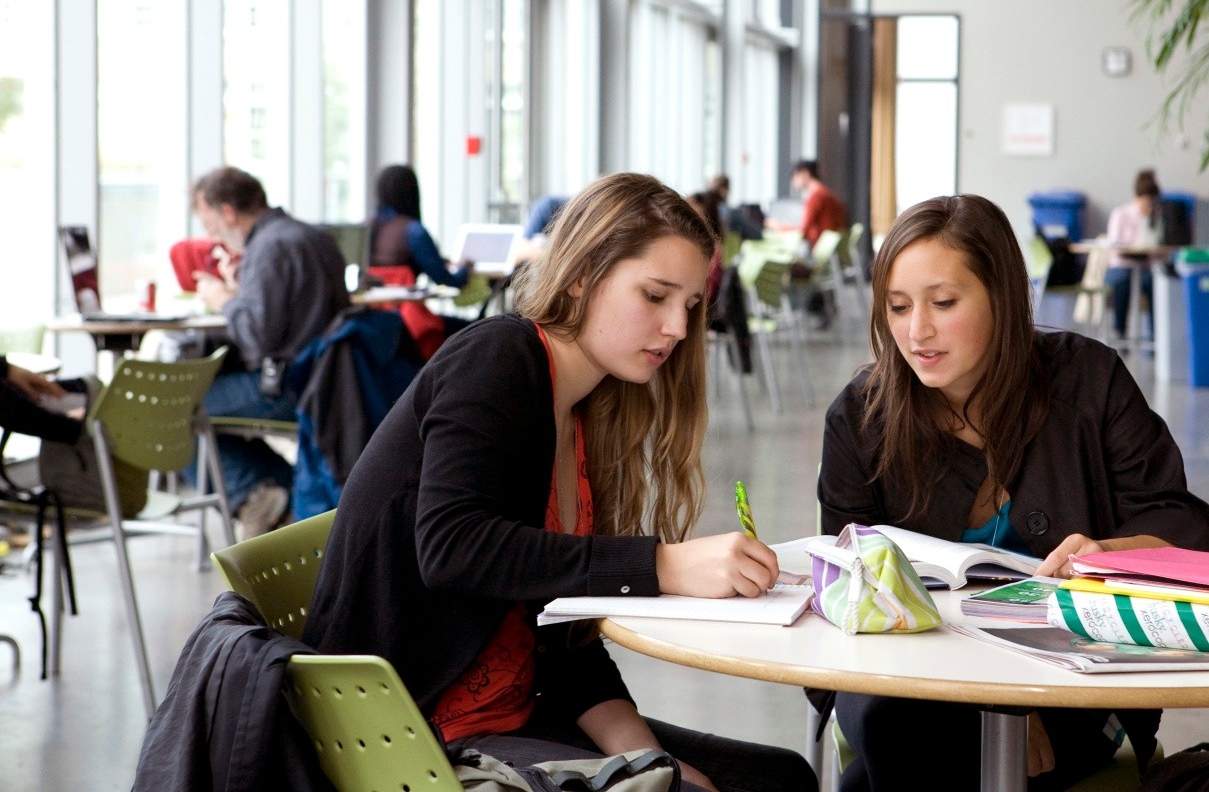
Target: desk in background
pixel 940 665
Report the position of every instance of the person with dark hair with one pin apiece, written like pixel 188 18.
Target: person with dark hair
pixel 550 452
pixel 401 249
pixel 1135 224
pixel 733 219
pixel 821 209
pixel 972 426
pixel 279 292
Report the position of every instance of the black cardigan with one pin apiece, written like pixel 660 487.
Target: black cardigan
pixel 439 529
pixel 1103 464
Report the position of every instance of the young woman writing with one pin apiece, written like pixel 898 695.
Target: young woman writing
pixel 972 426
pixel 552 452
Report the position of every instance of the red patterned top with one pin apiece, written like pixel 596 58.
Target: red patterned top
pixel 495 694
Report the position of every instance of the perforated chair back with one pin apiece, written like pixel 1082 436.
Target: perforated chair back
pixel 148 410
pixel 770 283
pixel 826 246
pixel 366 729
pixel 277 570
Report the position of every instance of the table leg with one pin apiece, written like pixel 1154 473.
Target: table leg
pixel 1004 746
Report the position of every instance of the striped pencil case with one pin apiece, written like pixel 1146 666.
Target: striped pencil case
pixel 865 584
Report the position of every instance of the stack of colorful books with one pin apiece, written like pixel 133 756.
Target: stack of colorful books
pixel 1150 597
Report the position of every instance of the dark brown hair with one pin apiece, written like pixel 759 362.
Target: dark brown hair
pixel 227 185
pixel 912 422
pixel 1146 184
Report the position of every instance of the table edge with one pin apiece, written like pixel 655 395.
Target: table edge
pixel 982 693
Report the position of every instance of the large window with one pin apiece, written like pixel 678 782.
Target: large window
pixel 926 123
pixel 668 119
pixel 344 111
pixel 256 94
pixel 143 201
pixel 27 140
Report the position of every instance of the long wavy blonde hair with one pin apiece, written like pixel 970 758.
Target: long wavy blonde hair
pixel 642 441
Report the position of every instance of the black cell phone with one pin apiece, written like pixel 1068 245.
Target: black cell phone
pixel 272 375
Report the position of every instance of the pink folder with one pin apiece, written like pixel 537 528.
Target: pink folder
pixel 1162 564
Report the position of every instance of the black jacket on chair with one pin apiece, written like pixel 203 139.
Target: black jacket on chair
pixel 225 723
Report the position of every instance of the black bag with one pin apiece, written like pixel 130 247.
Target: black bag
pixel 1185 771
pixel 70 470
pixel 1067 268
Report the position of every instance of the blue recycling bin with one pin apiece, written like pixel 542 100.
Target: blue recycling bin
pixel 1059 213
pixel 1193 266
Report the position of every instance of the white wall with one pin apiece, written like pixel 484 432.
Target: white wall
pixel 1026 51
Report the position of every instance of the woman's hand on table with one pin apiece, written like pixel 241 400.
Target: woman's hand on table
pixel 1057 563
pixel 716 566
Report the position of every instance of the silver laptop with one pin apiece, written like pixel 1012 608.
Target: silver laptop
pixel 492 247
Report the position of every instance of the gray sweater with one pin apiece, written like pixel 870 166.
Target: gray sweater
pixel 291 285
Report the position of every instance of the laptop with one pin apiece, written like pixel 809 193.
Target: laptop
pixel 493 247
pixel 82 266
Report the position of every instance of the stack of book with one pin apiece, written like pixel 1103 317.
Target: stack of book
pixel 1151 597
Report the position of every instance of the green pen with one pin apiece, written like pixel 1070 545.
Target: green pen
pixel 744 509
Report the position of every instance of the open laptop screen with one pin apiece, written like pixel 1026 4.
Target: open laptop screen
pixel 82 265
pixel 492 247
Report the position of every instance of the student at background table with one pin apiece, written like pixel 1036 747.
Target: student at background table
pixel 1135 224
pixel 551 452
pixel 971 425
pixel 401 250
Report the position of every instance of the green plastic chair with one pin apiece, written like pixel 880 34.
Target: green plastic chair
pixel 366 729
pixel 26 338
pixel 277 570
pixel 770 313
pixel 150 417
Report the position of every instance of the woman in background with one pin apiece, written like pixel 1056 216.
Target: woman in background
pixel 1135 224
pixel 551 452
pixel 972 426
pixel 401 249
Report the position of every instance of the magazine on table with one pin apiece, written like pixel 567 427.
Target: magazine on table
pixel 1021 600
pixel 1083 655
pixel 938 562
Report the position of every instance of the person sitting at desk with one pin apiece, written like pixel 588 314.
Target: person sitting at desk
pixel 401 249
pixel 1135 224
pixel 972 426
pixel 517 468
pixel 286 289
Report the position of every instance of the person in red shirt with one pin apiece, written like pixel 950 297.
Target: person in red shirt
pixel 821 209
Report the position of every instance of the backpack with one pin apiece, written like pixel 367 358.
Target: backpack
pixel 1183 771
pixel 636 771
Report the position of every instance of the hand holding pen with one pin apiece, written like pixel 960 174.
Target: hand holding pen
pixel 743 506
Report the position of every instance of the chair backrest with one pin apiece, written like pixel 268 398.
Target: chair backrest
pixel 827 245
pixel 149 408
pixel 22 339
pixel 366 729
pixel 770 283
pixel 754 253
pixel 277 570
pixel 731 242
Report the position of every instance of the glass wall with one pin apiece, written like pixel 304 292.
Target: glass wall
pixel 256 92
pixel 141 132
pixel 344 112
pixel 27 153
pixel 926 117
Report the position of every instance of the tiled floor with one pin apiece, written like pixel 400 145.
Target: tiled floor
pixel 83 730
